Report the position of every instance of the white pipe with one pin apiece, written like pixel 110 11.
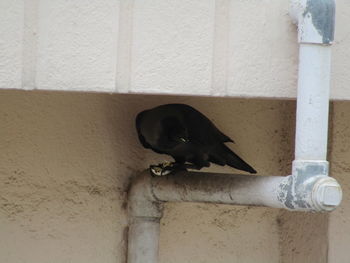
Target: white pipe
pixel 143 240
pixel 147 195
pixel 312 102
pixel 219 189
pixel 144 212
pixel 315 21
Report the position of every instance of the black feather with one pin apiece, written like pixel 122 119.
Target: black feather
pixel 222 155
pixel 187 135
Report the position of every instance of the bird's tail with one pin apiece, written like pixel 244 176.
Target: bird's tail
pixel 222 155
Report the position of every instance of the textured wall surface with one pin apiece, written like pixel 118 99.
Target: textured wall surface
pixel 303 237
pixel 11 31
pixel 66 160
pixel 339 225
pixel 202 47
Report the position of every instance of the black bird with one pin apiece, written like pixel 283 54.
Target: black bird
pixel 188 136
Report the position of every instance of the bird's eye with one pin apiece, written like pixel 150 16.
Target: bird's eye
pixel 184 139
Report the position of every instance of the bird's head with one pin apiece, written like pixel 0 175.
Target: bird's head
pixel 173 132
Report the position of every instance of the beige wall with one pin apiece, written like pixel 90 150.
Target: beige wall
pixel 339 226
pixel 66 160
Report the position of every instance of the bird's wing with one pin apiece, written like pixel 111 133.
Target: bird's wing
pixel 203 130
pixel 222 155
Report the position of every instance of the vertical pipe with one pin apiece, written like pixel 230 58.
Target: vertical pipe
pixel 313 102
pixel 311 186
pixel 143 240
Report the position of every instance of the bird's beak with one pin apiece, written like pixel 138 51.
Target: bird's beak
pixel 184 140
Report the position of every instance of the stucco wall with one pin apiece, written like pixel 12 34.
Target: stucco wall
pixel 66 160
pixel 339 225
pixel 202 47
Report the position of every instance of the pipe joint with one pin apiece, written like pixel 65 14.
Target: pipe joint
pixel 309 188
pixel 315 20
pixel 142 202
pixel 326 194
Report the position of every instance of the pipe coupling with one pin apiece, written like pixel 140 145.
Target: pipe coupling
pixel 310 188
pixel 315 20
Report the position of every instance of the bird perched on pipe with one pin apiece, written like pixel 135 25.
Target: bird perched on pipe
pixel 188 136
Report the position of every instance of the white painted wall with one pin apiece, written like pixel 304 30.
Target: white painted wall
pixel 11 44
pixel 201 47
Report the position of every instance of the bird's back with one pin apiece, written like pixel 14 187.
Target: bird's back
pixel 205 141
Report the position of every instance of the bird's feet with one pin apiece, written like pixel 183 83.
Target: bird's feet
pixel 166 168
pixel 161 169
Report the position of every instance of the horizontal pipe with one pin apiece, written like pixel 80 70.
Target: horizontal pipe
pixel 308 189
pixel 219 188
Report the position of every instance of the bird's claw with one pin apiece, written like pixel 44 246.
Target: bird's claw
pixel 155 170
pixel 166 165
pixel 162 169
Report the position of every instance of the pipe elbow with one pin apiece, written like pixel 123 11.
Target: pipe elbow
pixel 310 188
pixel 141 200
pixel 315 20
